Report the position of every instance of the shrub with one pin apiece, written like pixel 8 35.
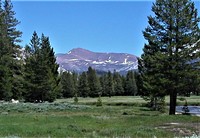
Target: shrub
pixel 99 101
pixel 181 99
pixel 39 107
pixel 76 99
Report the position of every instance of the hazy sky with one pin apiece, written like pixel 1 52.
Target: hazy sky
pixel 99 26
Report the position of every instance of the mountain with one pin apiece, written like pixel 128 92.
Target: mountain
pixel 79 60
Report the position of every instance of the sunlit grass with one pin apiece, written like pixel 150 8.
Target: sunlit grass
pixel 116 100
pixel 64 119
pixel 130 100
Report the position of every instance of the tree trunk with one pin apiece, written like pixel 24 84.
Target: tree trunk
pixel 172 108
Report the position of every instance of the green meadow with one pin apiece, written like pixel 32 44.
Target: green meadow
pixel 119 117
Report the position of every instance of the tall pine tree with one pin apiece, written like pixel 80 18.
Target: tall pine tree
pixel 75 80
pixel 13 35
pixel 103 82
pixel 67 85
pixel 94 83
pixel 130 85
pixel 30 70
pixel 118 85
pixel 10 67
pixel 41 75
pixel 83 86
pixel 49 63
pixel 166 61
pixel 109 86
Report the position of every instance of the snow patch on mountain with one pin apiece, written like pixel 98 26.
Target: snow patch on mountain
pixel 96 62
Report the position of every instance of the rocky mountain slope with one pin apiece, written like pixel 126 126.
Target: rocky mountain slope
pixel 80 59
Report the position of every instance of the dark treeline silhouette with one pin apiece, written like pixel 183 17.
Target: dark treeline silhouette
pixel 30 74
pixel 90 84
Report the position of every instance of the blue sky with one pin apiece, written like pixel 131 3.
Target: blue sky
pixel 100 26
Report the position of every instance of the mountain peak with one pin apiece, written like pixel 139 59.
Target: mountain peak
pixel 78 50
pixel 79 59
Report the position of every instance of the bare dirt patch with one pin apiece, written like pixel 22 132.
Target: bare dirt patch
pixel 181 129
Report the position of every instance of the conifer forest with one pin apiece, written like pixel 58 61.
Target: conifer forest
pixel 103 104
pixel 169 64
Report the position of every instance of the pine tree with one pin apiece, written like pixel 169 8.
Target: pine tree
pixel 83 86
pixel 67 83
pixel 109 88
pixel 9 36
pixel 171 35
pixel 193 77
pixel 13 35
pixel 17 81
pixel 75 80
pixel 102 80
pixel 3 39
pixel 123 78
pixel 118 85
pixel 31 82
pixel 49 63
pixel 130 85
pixel 40 75
pixel 139 81
pixel 94 83
pixel 11 23
pixel 5 78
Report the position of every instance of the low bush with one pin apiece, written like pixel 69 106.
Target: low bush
pixel 38 107
pixel 99 102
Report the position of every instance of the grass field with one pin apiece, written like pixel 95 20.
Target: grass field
pixel 120 117
pixel 130 100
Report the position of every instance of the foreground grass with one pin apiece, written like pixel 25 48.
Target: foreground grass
pixel 63 119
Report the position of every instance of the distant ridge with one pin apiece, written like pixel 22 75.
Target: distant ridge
pixel 80 59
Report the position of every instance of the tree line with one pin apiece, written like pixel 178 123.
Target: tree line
pixel 30 74
pixel 90 84
pixel 169 65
